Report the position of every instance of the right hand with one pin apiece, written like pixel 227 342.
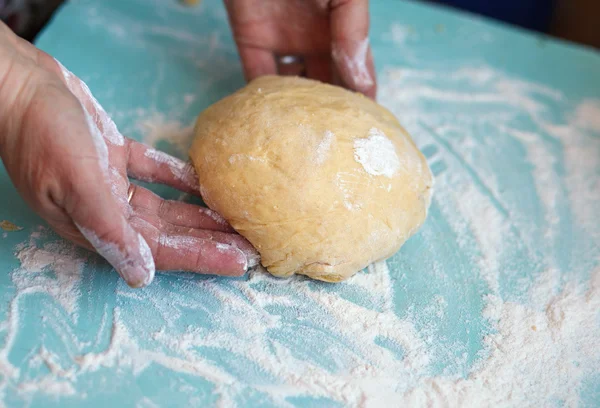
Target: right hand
pixel 71 164
pixel 331 36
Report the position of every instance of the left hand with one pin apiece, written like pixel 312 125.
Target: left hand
pixel 330 35
pixel 72 166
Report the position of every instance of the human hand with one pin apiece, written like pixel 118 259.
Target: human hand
pixel 330 35
pixel 71 164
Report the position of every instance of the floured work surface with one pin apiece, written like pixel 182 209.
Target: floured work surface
pixel 494 302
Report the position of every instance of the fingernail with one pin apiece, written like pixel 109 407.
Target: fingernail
pixel 252 256
pixel 241 258
pixel 139 274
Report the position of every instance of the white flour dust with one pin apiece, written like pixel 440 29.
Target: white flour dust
pixel 179 169
pixel 496 234
pixel 324 147
pixel 540 353
pixel 156 128
pixel 63 286
pixel 377 154
pixel 355 63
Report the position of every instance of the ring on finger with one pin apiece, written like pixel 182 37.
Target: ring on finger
pixel 130 191
pixel 290 65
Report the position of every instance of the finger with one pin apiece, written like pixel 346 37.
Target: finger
pixel 192 254
pixel 177 218
pixel 100 219
pixel 319 67
pixel 234 240
pixel 148 164
pixel 114 239
pixel 350 48
pixel 257 62
pixel 176 213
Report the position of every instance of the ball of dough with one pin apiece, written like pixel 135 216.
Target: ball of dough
pixel 321 180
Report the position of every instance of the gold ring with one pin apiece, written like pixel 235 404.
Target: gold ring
pixel 130 191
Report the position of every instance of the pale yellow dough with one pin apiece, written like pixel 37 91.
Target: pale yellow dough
pixel 321 180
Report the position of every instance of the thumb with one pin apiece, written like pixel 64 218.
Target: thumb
pixel 114 239
pixel 91 204
pixel 102 222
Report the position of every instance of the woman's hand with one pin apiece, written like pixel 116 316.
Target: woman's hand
pixel 71 164
pixel 330 35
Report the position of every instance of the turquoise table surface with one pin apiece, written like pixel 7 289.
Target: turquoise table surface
pixel 495 302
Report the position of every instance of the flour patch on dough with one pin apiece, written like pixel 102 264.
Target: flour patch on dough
pixel 377 154
pixel 324 147
pixel 239 157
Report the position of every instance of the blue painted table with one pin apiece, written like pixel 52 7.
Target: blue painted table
pixel 494 302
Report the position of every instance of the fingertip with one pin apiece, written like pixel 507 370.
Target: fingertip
pixel 139 270
pixel 131 258
pixel 148 267
pixel 136 283
pixel 370 92
pixel 355 65
pixel 237 265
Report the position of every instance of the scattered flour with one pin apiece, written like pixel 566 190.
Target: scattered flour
pixel 400 33
pixel 63 281
pixel 539 354
pixel 587 115
pixel 156 128
pixel 351 343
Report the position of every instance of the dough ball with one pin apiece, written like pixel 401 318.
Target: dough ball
pixel 321 180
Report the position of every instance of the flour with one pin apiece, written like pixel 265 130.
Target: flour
pixel 156 128
pixel 537 355
pixel 345 182
pixel 531 342
pixel 48 385
pixel 215 216
pixel 241 158
pixel 324 147
pixel 65 265
pixel 178 168
pixel 587 115
pixel 384 337
pixel 355 63
pixel 377 154
pixel 401 34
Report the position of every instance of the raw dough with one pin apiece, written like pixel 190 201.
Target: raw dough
pixel 321 180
